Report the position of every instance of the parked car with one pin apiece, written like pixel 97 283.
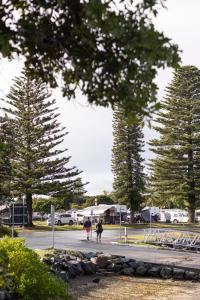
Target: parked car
pixel 61 219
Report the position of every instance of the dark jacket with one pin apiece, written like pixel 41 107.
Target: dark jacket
pixel 87 224
pixel 99 227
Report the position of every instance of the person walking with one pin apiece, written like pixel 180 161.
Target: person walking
pixel 99 230
pixel 87 226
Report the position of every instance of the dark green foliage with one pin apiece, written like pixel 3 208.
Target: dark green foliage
pixel 112 52
pixel 38 166
pixel 5 230
pixel 175 172
pixel 127 162
pixel 44 205
pixel 5 165
pixel 90 201
pixel 25 275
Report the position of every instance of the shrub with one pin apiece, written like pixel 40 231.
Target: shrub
pixel 5 230
pixel 30 279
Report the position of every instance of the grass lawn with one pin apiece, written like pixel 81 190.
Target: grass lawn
pixel 42 226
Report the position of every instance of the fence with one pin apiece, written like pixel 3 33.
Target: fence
pixel 172 238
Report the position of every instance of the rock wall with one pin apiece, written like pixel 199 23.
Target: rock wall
pixel 66 266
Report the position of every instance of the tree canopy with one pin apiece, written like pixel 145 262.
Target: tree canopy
pixel 39 164
pixel 110 50
pixel 176 168
pixel 127 161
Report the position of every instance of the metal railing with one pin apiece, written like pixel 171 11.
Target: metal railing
pixel 172 238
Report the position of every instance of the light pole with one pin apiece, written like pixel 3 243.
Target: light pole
pixel 53 223
pixel 150 218
pixel 120 221
pixel 12 214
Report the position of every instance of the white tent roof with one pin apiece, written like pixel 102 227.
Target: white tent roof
pixel 96 210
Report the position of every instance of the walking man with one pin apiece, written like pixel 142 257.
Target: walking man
pixel 87 226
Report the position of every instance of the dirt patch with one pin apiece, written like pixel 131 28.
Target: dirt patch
pixel 127 288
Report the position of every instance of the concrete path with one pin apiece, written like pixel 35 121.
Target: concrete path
pixel 75 240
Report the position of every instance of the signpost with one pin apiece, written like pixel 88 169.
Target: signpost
pixel 53 223
pixel 150 218
pixel 13 212
pixel 91 223
pixel 120 222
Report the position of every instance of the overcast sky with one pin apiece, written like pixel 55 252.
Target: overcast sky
pixel 90 128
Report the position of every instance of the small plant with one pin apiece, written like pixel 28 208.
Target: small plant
pixel 5 230
pixel 30 278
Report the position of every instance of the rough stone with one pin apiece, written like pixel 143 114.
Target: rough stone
pixel 63 275
pixel 154 271
pixel 77 266
pixel 141 270
pixel 47 260
pixel 5 295
pixel 178 273
pixel 190 275
pixel 128 271
pixel 166 273
pixel 96 280
pixel 89 267
pixel 117 267
pixel 101 261
pixel 89 255
pixel 124 265
pixel 133 264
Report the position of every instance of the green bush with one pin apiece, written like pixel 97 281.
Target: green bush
pixel 28 277
pixel 5 230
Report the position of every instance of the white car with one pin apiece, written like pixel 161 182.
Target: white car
pixel 61 219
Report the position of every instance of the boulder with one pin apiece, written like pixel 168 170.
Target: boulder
pixel 166 272
pixel 133 264
pixel 89 255
pixel 77 266
pixel 190 275
pixel 128 271
pixel 154 271
pixel 47 260
pixel 125 265
pixel 101 261
pixel 63 275
pixel 96 280
pixel 178 273
pixel 89 267
pixel 141 270
pixel 117 267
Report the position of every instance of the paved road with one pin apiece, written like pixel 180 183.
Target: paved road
pixel 76 240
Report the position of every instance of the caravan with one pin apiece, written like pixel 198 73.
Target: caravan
pixel 176 215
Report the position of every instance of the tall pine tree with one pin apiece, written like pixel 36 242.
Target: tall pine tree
pixel 127 161
pixel 38 166
pixel 5 161
pixel 175 172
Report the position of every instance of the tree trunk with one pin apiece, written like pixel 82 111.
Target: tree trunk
pixel 132 219
pixel 29 209
pixel 191 208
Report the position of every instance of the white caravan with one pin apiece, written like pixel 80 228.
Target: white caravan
pixel 176 215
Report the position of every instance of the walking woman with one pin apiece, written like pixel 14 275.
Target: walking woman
pixel 99 230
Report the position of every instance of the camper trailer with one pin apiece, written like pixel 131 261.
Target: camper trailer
pixel 177 215
pixel 150 214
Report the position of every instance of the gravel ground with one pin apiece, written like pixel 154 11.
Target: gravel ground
pixel 127 288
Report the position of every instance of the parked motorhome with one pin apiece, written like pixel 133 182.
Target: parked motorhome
pixel 177 215
pixel 197 215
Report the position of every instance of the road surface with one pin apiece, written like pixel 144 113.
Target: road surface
pixel 76 240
